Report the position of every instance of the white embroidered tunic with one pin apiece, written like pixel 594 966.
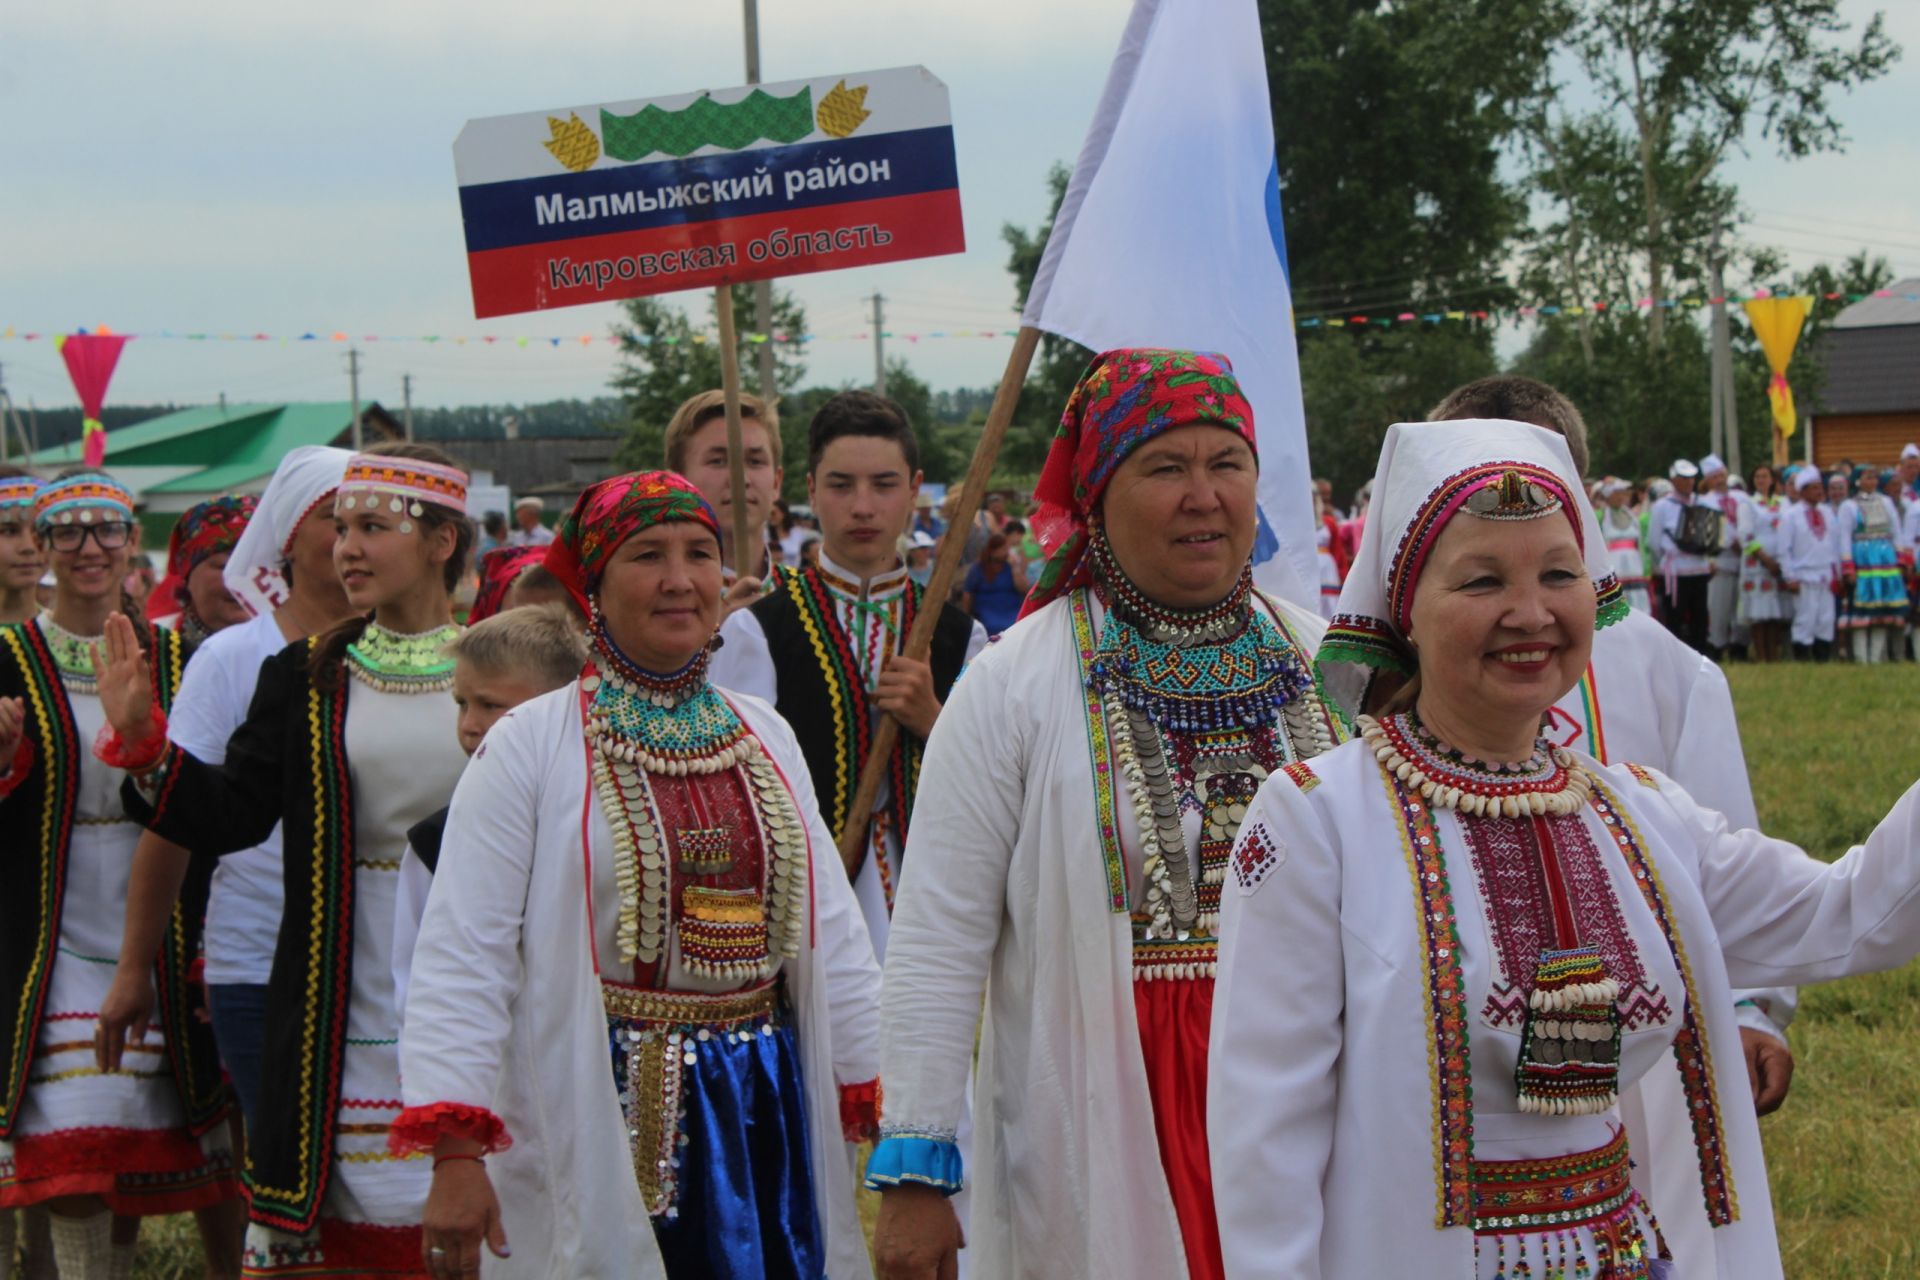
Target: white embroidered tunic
pixel 1011 889
pixel 504 1007
pixel 1334 1105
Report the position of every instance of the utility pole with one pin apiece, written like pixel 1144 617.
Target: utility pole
pixel 762 289
pixel 1725 430
pixel 13 418
pixel 353 382
pixel 879 354
pixel 406 403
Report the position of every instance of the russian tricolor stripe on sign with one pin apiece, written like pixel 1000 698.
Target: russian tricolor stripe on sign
pixel 541 235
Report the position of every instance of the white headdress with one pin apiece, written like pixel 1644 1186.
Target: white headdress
pixel 1428 473
pixel 305 477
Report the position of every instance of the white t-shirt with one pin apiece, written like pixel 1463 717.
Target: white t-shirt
pixel 538 536
pixel 245 902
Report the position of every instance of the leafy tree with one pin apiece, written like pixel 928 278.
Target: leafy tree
pixel 1390 120
pixel 665 357
pixel 1357 386
pixel 1680 84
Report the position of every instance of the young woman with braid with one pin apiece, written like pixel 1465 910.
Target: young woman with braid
pixel 281 568
pixel 350 739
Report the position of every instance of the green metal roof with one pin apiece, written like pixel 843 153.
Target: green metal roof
pixel 244 442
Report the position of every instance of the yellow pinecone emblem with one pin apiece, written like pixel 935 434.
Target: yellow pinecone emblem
pixel 572 144
pixel 843 110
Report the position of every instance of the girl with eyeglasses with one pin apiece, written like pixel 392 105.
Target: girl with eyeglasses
pixel 150 1138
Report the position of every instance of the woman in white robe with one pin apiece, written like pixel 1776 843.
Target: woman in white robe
pixel 1437 974
pixel 529 942
pixel 1075 813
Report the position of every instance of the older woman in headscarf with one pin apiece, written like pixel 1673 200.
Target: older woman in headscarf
pixel 193 598
pixel 624 1055
pixel 1449 945
pixel 1078 801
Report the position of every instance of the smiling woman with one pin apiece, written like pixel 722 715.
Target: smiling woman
pixel 148 1138
pixel 1450 945
pixel 669 1077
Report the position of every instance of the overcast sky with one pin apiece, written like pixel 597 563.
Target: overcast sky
pixel 225 167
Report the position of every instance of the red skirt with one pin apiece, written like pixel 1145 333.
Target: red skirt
pixel 136 1171
pixel 1175 1016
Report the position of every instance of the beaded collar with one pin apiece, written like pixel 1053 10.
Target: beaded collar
pixel 635 731
pixel 1212 625
pixel 674 724
pixel 1192 701
pixel 190 628
pixel 396 662
pixel 72 655
pixel 1224 667
pixel 668 690
pixel 1549 781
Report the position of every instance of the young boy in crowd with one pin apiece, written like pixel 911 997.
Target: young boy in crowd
pixel 696 447
pixel 499 663
pixel 824 645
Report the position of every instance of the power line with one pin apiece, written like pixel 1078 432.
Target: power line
pixel 1834 222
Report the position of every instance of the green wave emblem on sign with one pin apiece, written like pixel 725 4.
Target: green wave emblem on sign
pixel 706 123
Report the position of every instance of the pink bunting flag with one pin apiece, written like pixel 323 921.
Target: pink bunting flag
pixel 91 358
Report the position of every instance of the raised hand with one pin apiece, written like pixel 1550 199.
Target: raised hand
pixel 743 592
pixel 125 682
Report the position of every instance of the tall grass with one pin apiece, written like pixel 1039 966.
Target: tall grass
pixel 1830 748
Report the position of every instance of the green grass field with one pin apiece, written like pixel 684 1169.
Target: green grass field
pixel 1829 749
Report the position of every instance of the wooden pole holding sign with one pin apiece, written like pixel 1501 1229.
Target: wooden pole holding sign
pixel 736 451
pixel 973 491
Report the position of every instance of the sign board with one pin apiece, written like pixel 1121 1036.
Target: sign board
pixel 624 199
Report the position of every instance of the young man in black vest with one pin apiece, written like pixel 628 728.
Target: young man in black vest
pixel 824 646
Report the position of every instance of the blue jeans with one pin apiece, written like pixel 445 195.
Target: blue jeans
pixel 239 1012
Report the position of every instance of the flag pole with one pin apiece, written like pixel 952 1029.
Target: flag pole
pixel 736 450
pixel 852 837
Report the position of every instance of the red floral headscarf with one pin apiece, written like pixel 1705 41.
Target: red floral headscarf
pixel 609 513
pixel 499 569
pixel 1124 399
pixel 205 529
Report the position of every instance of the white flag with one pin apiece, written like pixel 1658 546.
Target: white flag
pixel 1170 236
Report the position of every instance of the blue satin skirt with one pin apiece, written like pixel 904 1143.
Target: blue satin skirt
pixel 742 1203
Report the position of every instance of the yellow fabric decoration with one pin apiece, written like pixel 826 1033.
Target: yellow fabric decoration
pixel 1777 322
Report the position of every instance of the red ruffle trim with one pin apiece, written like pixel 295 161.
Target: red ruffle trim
pixel 860 1111
pixel 109 748
pixel 421 1128
pixel 137 1171
pixel 22 764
